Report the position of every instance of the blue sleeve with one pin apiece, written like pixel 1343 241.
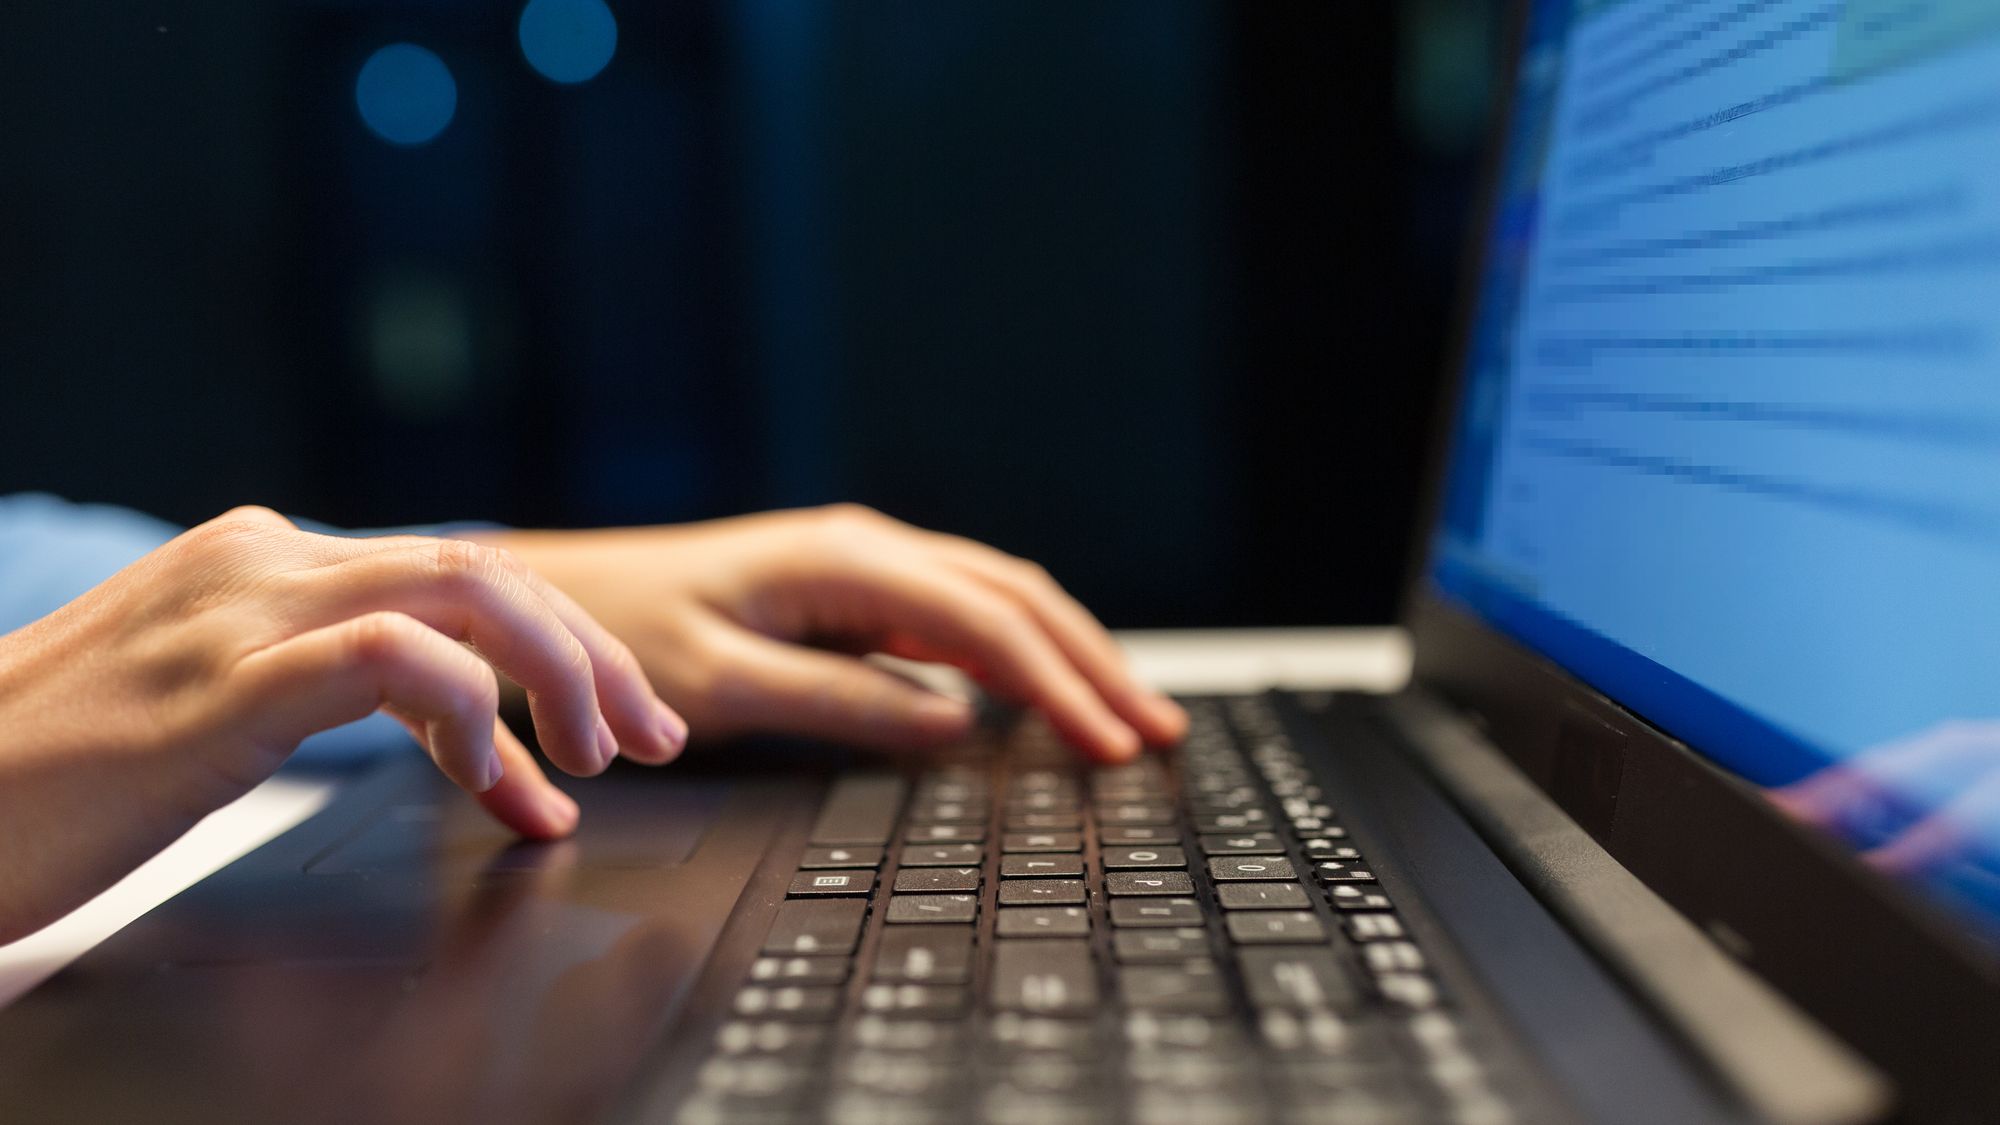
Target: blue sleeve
pixel 52 551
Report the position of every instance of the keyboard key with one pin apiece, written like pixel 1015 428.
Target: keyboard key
pixel 1041 866
pixel 1044 821
pixel 1192 986
pixel 916 1001
pixel 1353 896
pixel 1042 1074
pixel 860 809
pixel 1225 868
pixel 945 833
pixel 1334 871
pixel 1308 1032
pixel 1393 957
pixel 1044 977
pixel 942 855
pixel 1144 857
pixel 933 908
pixel 925 955
pixel 788 1002
pixel 1155 912
pixel 1042 921
pixel 924 811
pixel 754 1081
pixel 1247 843
pixel 1146 1031
pixel 1136 814
pixel 1054 800
pixel 769 1037
pixel 1041 892
pixel 817 858
pixel 1137 835
pixel 1243 820
pixel 1262 896
pixel 799 970
pixel 1148 883
pixel 883 1033
pixel 810 883
pixel 877 1087
pixel 1374 927
pixel 926 879
pixel 1261 927
pixel 1325 843
pixel 1154 947
pixel 1299 978
pixel 1408 990
pixel 822 926
pixel 1041 842
pixel 1013 1031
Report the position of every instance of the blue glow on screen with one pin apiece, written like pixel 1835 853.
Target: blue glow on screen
pixel 1730 441
pixel 568 41
pixel 406 94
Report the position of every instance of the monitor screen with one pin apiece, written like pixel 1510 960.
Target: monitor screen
pixel 1729 446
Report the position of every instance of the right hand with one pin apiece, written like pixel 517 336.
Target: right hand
pixel 189 676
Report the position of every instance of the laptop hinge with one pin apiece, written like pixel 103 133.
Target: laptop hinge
pixel 1783 1065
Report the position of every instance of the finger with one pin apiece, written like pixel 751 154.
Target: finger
pixel 963 617
pixel 648 730
pixel 1080 636
pixel 339 673
pixel 823 695
pixel 476 594
pixel 523 799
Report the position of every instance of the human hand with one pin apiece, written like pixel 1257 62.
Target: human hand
pixel 752 624
pixel 189 676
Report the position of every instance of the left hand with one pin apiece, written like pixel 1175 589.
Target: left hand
pixel 752 624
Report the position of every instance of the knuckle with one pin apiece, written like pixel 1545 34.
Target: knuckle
pixel 375 639
pixel 257 515
pixel 1033 571
pixel 506 562
pixel 462 564
pixel 234 530
pixel 848 515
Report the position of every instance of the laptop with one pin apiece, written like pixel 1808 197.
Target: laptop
pixel 1688 815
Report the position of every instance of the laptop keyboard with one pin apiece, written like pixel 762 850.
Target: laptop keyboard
pixel 1010 935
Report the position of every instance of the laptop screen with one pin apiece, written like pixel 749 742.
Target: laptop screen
pixel 1729 447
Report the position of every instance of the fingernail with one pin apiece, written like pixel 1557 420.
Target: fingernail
pixel 673 729
pixel 607 744
pixel 492 772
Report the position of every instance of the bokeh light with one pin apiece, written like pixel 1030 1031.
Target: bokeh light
pixel 405 94
pixel 568 41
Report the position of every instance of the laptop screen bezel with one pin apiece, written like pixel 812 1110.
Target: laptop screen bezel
pixel 1899 981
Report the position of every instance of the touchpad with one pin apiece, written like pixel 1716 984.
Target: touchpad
pixel 628 823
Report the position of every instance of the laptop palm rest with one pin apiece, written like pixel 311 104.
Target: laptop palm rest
pixel 399 957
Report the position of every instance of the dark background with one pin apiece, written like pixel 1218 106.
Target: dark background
pixel 1153 291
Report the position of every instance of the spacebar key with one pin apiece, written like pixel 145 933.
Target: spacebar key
pixel 860 809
